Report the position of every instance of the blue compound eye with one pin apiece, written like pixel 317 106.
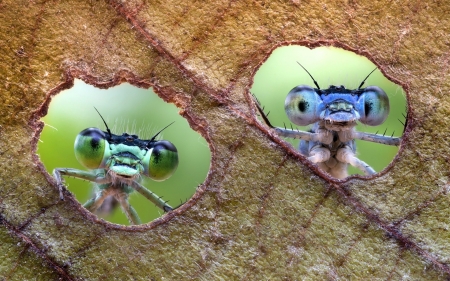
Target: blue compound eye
pixel 373 106
pixel 302 105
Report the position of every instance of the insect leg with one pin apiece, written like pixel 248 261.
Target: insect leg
pixel 108 206
pixel 319 154
pixel 90 176
pixel 129 211
pixel 322 136
pixel 94 203
pixel 155 199
pixel 346 155
pixel 376 138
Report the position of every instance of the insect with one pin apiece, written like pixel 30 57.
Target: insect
pixel 334 113
pixel 117 164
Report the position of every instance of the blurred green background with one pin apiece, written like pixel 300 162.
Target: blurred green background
pixel 126 109
pixel 329 66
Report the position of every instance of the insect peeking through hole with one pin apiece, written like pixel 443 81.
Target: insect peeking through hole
pixel 117 164
pixel 334 113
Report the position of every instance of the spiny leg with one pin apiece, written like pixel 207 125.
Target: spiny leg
pixel 325 137
pixel 90 176
pixel 322 136
pixel 129 211
pixel 155 199
pixel 94 203
pixel 376 138
pixel 346 155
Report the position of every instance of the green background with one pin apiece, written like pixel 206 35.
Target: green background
pixel 126 109
pixel 329 66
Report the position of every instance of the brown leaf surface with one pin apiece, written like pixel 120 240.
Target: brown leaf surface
pixel 263 213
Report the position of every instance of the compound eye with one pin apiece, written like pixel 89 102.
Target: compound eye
pixel 91 147
pixel 373 106
pixel 161 160
pixel 302 105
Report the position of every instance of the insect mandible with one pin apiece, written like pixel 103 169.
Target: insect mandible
pixel 334 113
pixel 117 164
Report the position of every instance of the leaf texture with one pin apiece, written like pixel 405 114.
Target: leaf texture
pixel 264 212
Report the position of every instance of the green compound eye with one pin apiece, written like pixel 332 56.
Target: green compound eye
pixel 91 147
pixel 161 160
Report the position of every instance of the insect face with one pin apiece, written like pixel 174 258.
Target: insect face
pixel 126 156
pixel 339 108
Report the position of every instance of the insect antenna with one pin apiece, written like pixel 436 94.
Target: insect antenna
pixel 362 83
pixel 154 137
pixel 106 125
pixel 315 82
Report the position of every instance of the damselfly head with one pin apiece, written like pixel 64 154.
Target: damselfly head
pixel 126 156
pixel 337 106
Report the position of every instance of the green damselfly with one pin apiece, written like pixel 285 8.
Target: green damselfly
pixel 117 163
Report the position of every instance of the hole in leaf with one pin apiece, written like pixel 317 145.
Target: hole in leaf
pixel 132 110
pixel 331 66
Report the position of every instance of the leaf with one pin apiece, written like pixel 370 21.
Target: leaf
pixel 264 212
